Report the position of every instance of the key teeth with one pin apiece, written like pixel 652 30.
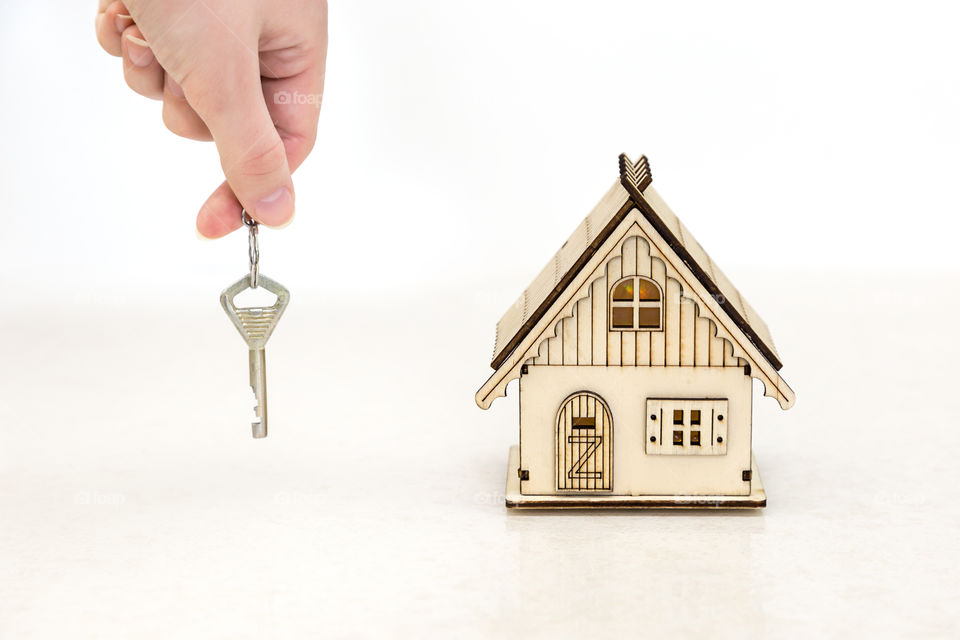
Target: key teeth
pixel 259 431
pixel 256 406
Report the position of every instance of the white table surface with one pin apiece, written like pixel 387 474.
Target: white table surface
pixel 136 504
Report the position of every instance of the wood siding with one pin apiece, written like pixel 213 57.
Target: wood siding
pixel 687 339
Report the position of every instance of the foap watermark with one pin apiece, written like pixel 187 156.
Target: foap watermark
pixel 299 498
pixel 99 498
pixel 683 298
pixel 468 493
pixel 297 98
pixel 899 499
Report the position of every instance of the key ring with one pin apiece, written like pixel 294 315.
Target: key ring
pixel 254 247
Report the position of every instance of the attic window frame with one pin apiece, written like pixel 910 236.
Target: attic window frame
pixel 636 304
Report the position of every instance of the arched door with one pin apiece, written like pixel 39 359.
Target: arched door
pixel 584 444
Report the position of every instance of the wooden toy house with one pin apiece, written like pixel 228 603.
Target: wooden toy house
pixel 635 357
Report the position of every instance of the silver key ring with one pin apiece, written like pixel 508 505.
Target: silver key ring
pixel 253 241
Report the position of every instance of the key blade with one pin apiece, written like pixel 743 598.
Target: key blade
pixel 258 384
pixel 255 324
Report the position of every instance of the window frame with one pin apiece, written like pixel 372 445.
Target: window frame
pixel 635 305
pixel 663 428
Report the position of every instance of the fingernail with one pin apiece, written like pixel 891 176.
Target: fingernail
pixel 289 220
pixel 276 208
pixel 200 236
pixel 139 51
pixel 123 22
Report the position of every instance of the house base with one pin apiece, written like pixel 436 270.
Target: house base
pixel 516 500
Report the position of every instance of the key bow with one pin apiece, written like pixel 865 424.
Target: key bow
pixel 255 324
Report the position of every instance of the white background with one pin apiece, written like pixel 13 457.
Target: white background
pixel 813 151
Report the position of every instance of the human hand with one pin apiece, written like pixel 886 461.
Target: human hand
pixel 247 74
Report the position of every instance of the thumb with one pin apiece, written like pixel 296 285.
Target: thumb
pixel 252 153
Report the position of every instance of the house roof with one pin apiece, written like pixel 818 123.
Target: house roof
pixel 632 191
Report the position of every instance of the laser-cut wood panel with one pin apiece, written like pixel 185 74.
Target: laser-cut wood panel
pixel 632 321
pixel 687 337
pixel 687 427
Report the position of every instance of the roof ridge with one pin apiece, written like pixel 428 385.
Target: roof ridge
pixel 636 175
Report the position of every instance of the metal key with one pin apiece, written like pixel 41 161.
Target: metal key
pixel 256 324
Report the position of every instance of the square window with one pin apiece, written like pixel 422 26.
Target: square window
pixel 649 317
pixel 694 423
pixel 622 317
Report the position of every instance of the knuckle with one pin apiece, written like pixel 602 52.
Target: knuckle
pixel 309 143
pixel 129 76
pixel 202 93
pixel 142 85
pixel 173 122
pixel 191 82
pixel 210 82
pixel 109 43
pixel 182 123
pixel 263 160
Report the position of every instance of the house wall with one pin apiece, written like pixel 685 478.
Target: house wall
pixel 543 390
pixel 686 359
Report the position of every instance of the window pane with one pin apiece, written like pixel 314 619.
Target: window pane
pixel 695 438
pixel 584 423
pixel 622 317
pixel 678 437
pixel 647 290
pixel 623 292
pixel 695 416
pixel 678 416
pixel 649 317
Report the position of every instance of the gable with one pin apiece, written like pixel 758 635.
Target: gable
pixel 633 190
pixel 688 335
pixel 634 245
